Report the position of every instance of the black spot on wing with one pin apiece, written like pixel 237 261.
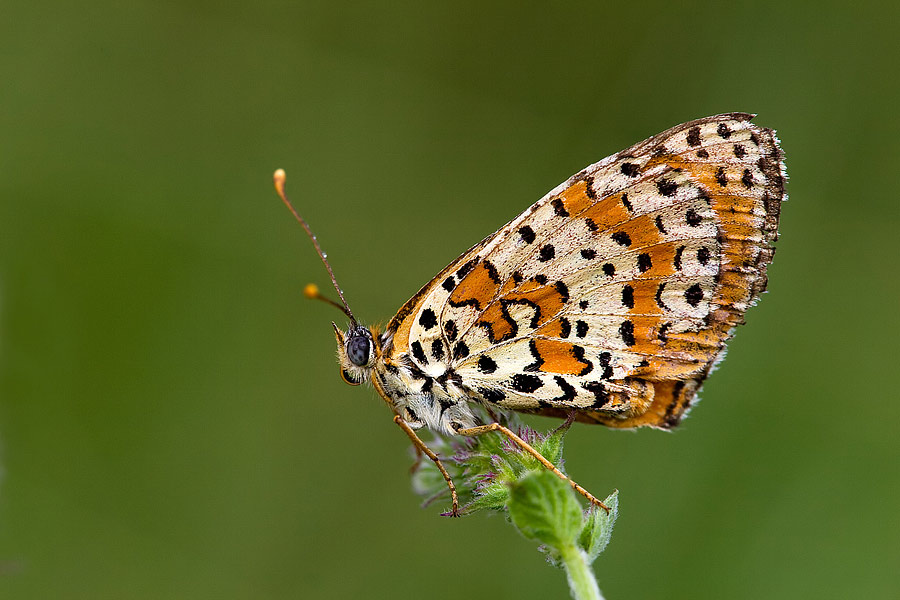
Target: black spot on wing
pixel 693 218
pixel 628 296
pixel 547 253
pixel 604 359
pixel 526 383
pixel 449 284
pixel 621 238
pixel 693 136
pixel 644 263
pixel 720 177
pixel 527 234
pixel 630 169
pixel 581 329
pixel 486 364
pixel 626 331
pixel 693 295
pixel 492 395
pixel 703 255
pixel 667 187
pixel 747 179
pixel 559 208
pixel 437 349
pixel 460 350
pixel 450 330
pixel 427 319
pixel 418 353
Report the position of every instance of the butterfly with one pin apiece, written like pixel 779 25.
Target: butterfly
pixel 608 301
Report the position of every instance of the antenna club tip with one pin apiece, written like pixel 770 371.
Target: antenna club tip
pixel 311 291
pixel 278 178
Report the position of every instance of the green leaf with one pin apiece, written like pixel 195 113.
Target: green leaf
pixel 598 527
pixel 477 459
pixel 552 446
pixel 544 508
pixel 489 444
pixel 493 496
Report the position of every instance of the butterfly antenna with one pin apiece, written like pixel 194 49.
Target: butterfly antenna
pixel 311 290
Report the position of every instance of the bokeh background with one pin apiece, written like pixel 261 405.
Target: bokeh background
pixel 172 423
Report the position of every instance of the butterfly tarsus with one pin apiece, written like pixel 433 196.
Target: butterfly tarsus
pixel 482 429
pixel 423 449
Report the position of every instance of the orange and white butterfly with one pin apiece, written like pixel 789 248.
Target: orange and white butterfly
pixel 610 299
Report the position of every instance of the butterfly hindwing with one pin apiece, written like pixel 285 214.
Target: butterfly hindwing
pixel 614 294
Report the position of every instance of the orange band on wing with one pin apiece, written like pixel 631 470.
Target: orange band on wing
pixel 478 287
pixel 560 357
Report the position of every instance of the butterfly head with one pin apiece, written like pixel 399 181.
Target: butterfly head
pixel 356 353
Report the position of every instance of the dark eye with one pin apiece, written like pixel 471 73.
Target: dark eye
pixel 358 350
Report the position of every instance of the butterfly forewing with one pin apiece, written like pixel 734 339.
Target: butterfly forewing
pixel 614 294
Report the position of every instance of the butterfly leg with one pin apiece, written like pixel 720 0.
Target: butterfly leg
pixel 423 449
pixel 482 429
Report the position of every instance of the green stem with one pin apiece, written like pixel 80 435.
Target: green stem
pixel 582 582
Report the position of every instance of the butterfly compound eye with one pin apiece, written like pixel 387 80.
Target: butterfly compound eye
pixel 358 348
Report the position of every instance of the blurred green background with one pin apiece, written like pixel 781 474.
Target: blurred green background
pixel 172 422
